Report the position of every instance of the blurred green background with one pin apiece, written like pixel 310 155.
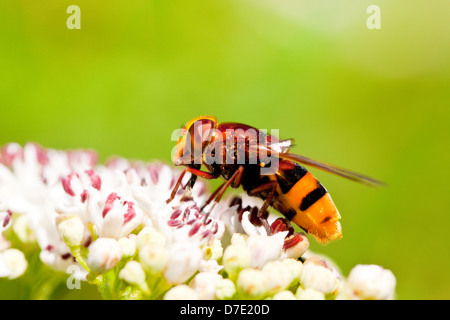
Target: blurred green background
pixel 374 101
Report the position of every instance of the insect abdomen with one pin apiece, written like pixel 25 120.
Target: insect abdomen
pixel 306 202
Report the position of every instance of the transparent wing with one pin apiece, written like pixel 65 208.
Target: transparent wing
pixel 332 169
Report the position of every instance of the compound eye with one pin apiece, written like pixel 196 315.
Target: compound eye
pixel 200 132
pixel 195 136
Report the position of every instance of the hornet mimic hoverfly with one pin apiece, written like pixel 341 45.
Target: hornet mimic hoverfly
pixel 240 153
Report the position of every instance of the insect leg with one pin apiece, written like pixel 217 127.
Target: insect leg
pixel 261 188
pixel 190 184
pixel 267 186
pixel 200 173
pixel 177 185
pixel 188 187
pixel 213 195
pixel 235 179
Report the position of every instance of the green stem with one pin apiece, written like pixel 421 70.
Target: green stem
pixel 76 252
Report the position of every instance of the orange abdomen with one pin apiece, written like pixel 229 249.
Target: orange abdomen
pixel 305 201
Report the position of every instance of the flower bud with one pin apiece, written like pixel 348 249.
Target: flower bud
pixel 128 246
pixel 22 229
pixel 372 282
pixel 265 248
pixel 294 268
pixel 72 231
pixel 149 236
pixel 238 238
pixel 210 266
pixel 12 263
pixel 184 261
pixel 225 289
pixel 214 250
pixel 309 294
pixel 181 292
pixel 316 275
pixel 278 276
pixel 5 219
pixel 235 258
pixel 204 283
pixel 251 283
pixel 296 245
pixel 103 255
pixel 284 295
pixel 134 274
pixel 154 258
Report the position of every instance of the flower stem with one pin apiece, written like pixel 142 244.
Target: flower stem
pixel 76 252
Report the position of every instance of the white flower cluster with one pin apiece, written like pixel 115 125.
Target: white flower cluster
pixel 112 222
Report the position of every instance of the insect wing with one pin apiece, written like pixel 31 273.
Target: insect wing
pixel 332 169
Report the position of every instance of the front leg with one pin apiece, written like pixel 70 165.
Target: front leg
pixel 188 188
pixel 217 195
pixel 200 173
pixel 177 185
pixel 195 171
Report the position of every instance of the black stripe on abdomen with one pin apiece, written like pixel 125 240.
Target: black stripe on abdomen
pixel 312 197
pixel 289 174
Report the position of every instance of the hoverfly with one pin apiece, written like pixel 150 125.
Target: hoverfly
pixel 289 188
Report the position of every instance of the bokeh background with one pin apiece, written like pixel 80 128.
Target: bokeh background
pixel 374 101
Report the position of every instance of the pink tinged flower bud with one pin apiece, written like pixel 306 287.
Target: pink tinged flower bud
pixel 10 152
pixel 296 245
pixel 84 195
pixel 372 282
pixel 131 213
pixel 109 203
pixel 280 225
pixel 154 173
pixel 5 219
pixel 104 253
pixel 86 157
pixel 175 223
pixel 96 181
pixel 175 214
pixel 41 154
pixel 195 228
pixel 66 183
pixel 119 217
